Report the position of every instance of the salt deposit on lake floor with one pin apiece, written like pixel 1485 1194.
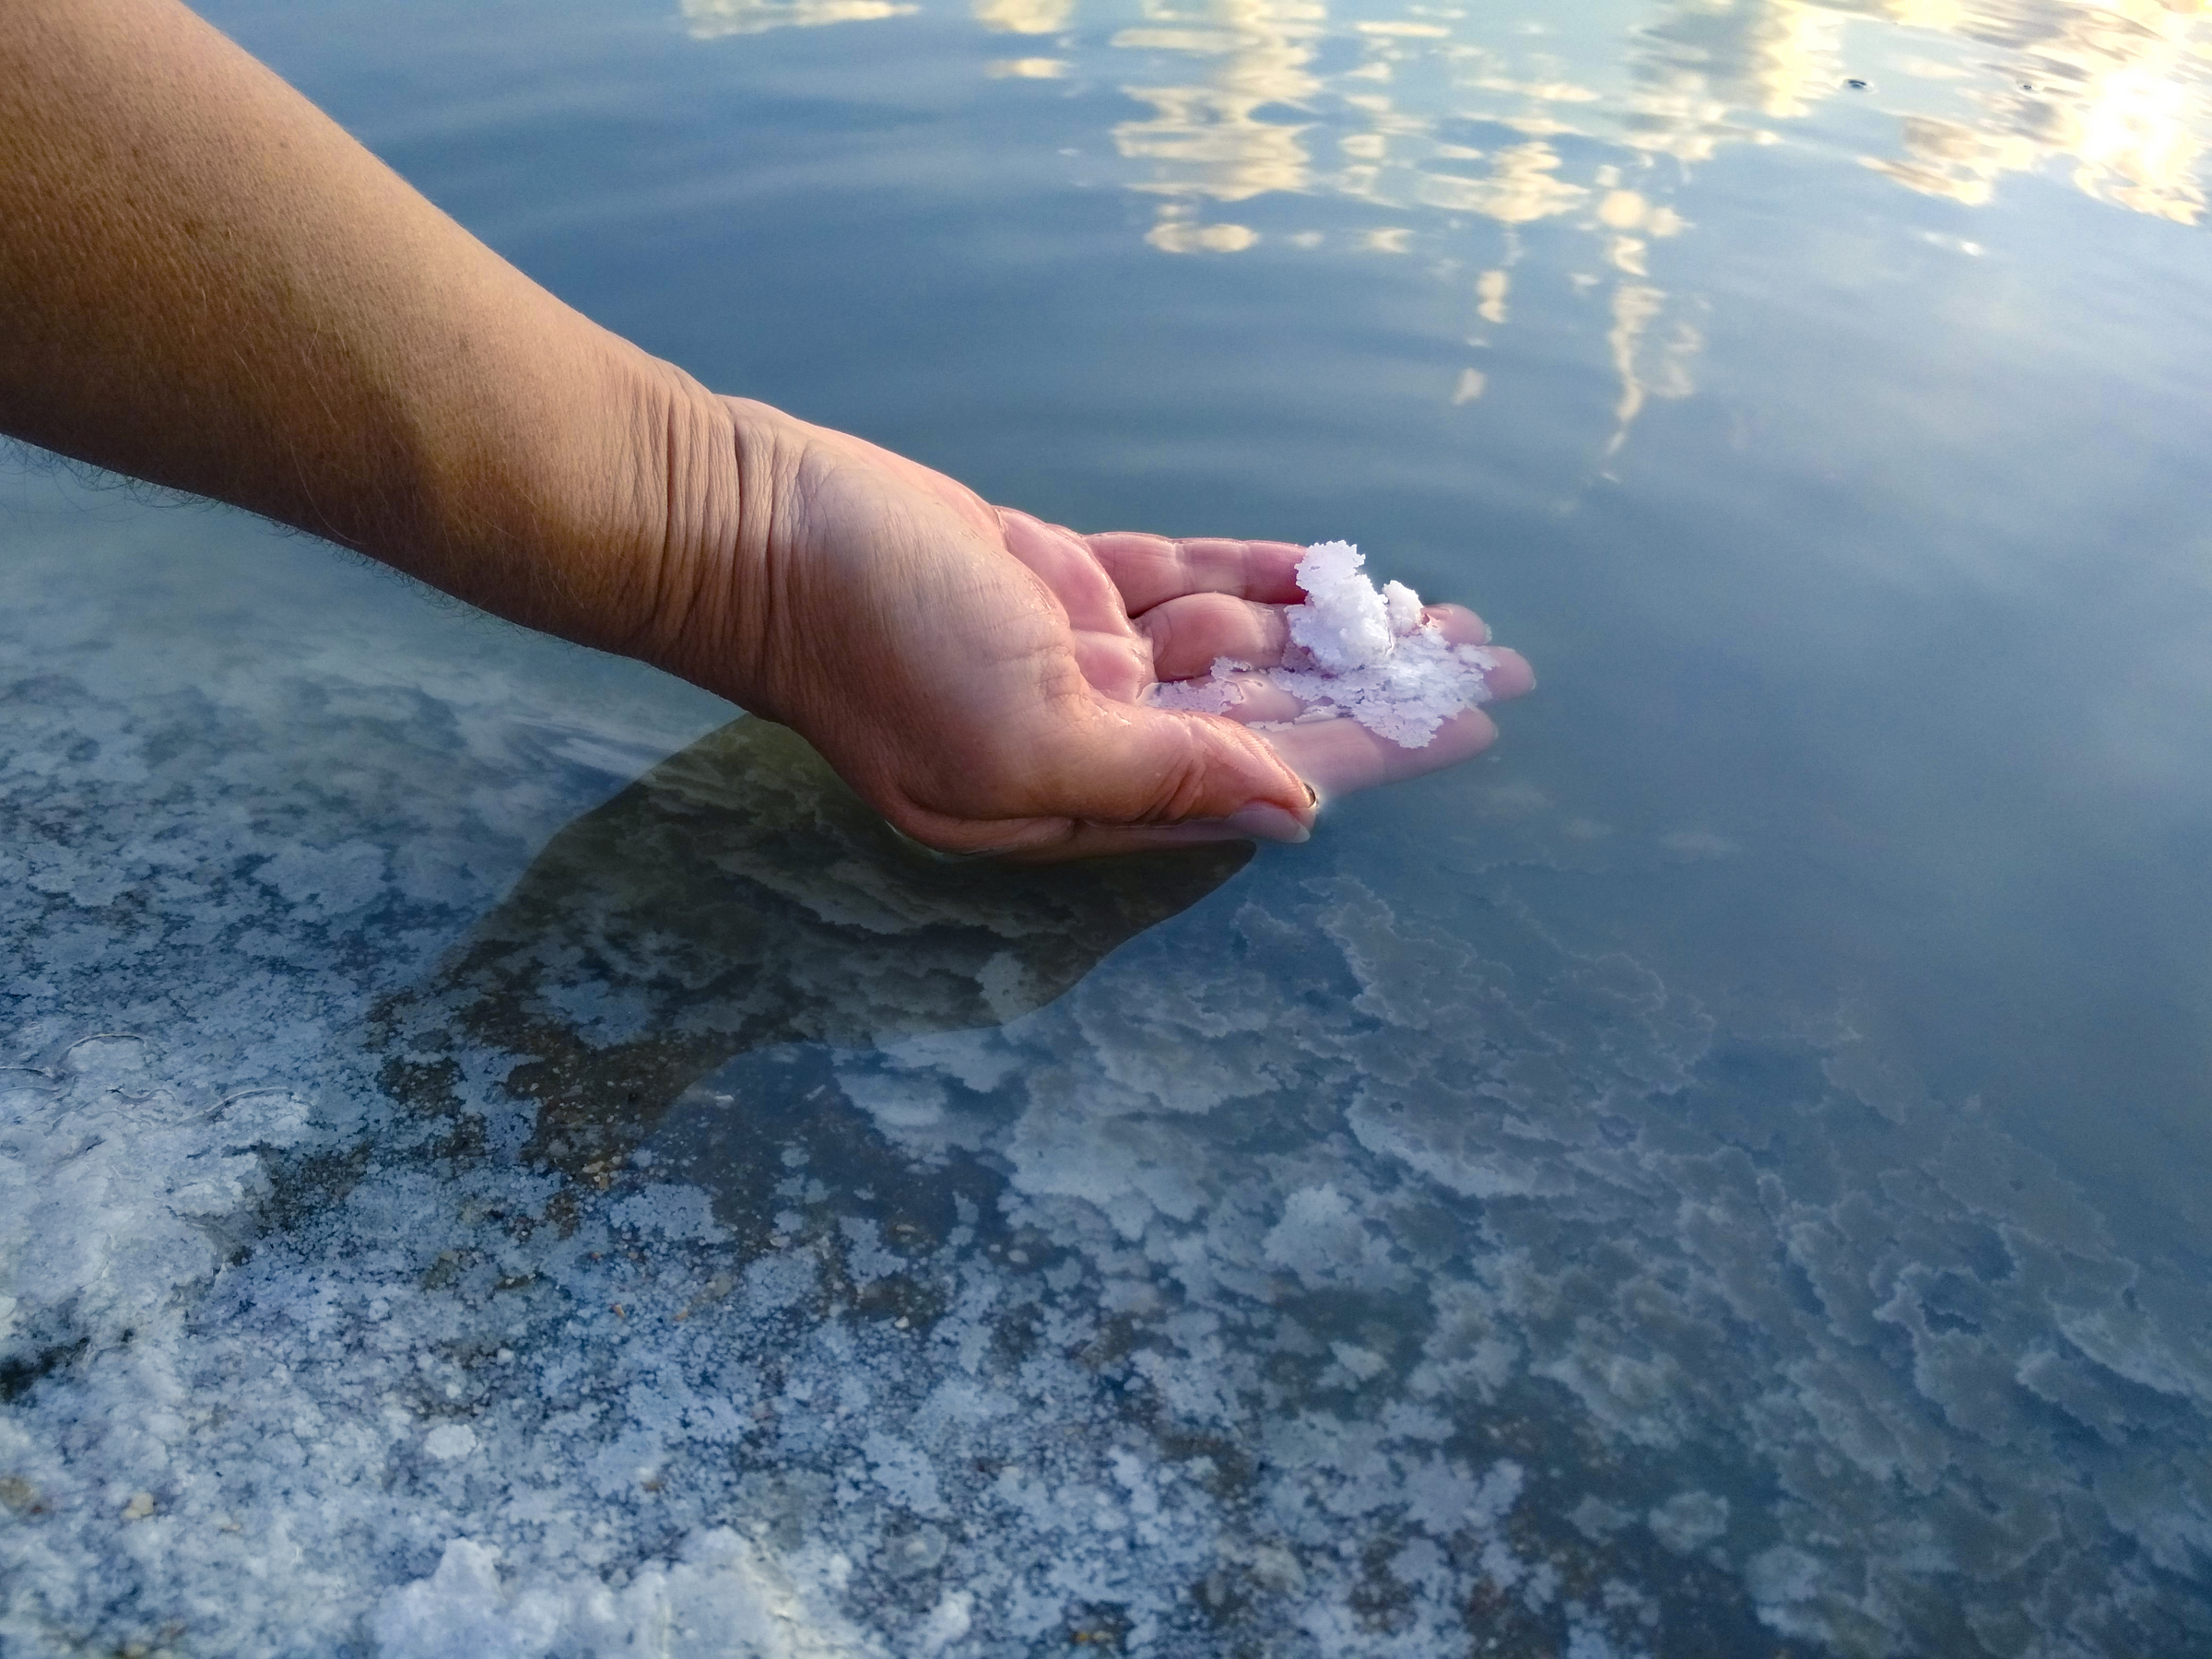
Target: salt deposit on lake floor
pixel 463 1250
pixel 1355 650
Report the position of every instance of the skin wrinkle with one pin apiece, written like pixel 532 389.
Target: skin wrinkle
pixel 674 580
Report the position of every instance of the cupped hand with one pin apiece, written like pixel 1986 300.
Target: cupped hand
pixel 981 677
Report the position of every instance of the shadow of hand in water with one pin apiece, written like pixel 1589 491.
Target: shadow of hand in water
pixel 738 897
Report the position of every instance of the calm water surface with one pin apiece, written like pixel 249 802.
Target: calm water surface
pixel 500 1159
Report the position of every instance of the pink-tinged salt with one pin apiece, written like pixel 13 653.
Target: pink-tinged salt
pixel 1355 652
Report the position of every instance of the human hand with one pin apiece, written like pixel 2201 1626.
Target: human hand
pixel 979 676
pixel 317 343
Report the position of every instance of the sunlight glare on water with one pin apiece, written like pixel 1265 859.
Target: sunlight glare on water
pixel 501 1157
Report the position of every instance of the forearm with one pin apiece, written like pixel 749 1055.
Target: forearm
pixel 203 282
pixel 207 283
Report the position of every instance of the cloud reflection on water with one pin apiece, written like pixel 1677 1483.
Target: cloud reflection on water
pixel 2111 90
pixel 710 19
pixel 1435 116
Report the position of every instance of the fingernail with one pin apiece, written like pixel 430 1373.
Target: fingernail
pixel 1269 823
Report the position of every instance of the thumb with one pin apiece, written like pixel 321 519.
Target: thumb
pixel 1144 765
pixel 1126 776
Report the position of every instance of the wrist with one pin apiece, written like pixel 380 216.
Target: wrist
pixel 723 471
pixel 662 526
pixel 591 505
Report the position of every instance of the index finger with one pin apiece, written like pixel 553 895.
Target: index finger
pixel 1152 570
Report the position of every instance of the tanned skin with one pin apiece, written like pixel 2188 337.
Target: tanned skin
pixel 206 283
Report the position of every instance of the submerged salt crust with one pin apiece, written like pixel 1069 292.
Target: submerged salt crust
pixel 1355 652
pixel 428 1231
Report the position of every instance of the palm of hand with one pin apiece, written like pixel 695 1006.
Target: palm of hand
pixel 980 677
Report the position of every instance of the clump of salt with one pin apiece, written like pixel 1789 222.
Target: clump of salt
pixel 1344 623
pixel 1357 653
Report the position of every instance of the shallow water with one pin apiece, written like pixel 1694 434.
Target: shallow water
pixel 500 1159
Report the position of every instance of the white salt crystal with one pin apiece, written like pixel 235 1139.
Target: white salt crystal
pixel 1354 651
pixel 1212 695
pixel 1344 622
pixel 450 1441
pixel 1402 607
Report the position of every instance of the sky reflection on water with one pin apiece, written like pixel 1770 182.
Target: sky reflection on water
pixel 502 1159
pixel 1431 115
